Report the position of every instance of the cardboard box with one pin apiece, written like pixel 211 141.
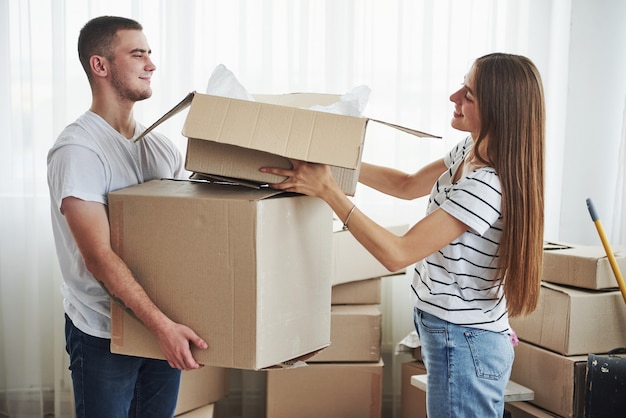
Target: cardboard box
pixel 355 335
pixel 207 411
pixel 329 390
pixel 246 269
pixel 232 138
pixel 558 381
pixel 413 399
pixel 575 321
pixel 201 387
pixel 352 262
pixel 526 410
pixel 581 266
pixel 362 292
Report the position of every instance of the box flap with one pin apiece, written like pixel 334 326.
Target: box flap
pixel 297 100
pixel 414 132
pixel 594 252
pixel 182 105
pixel 199 189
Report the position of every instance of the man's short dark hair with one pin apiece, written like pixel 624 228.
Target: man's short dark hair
pixel 98 37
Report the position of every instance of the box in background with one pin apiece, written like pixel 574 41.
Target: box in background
pixel 526 410
pixel 329 390
pixel 233 138
pixel 207 411
pixel 201 387
pixel 413 399
pixel 246 270
pixel 575 321
pixel 362 292
pixel 558 381
pixel 352 262
pixel 355 335
pixel 581 266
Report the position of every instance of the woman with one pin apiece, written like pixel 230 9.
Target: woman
pixel 479 248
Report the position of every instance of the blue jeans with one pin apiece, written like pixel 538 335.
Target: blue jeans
pixel 467 368
pixel 116 386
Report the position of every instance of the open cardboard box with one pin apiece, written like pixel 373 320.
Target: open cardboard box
pixel 232 138
pixel 248 270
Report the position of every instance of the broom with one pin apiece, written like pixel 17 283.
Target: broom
pixel 607 248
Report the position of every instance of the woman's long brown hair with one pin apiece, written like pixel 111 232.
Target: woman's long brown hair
pixel 510 99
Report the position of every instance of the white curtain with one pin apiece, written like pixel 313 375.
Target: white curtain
pixel 618 233
pixel 411 53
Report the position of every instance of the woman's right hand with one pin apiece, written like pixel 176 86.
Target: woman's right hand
pixel 311 179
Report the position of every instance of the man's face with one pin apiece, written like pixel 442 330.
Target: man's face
pixel 131 67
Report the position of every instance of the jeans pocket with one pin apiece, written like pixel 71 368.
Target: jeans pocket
pixel 431 323
pixel 492 353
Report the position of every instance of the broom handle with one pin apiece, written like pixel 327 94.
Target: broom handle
pixel 607 248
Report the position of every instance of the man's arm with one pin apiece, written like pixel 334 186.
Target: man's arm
pixel 89 224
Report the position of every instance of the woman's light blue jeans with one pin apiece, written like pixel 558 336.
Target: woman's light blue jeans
pixel 467 368
pixel 115 386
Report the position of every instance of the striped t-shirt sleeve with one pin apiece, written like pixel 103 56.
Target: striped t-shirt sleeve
pixel 475 200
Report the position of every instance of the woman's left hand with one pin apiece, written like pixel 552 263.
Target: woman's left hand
pixel 311 179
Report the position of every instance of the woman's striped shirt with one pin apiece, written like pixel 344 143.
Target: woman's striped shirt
pixel 459 283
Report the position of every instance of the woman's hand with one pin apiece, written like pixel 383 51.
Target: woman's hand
pixel 311 179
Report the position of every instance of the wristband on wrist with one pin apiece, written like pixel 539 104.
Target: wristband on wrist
pixel 345 224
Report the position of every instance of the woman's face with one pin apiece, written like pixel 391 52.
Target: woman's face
pixel 466 117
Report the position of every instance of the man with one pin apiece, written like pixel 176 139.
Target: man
pixel 93 156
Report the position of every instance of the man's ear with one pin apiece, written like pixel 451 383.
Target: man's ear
pixel 99 66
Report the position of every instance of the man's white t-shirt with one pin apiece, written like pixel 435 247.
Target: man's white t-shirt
pixel 89 160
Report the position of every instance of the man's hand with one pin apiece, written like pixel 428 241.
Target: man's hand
pixel 175 341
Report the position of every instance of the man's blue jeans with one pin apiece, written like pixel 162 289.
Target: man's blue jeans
pixel 116 386
pixel 467 368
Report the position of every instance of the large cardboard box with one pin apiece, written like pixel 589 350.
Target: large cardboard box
pixel 581 266
pixel 558 381
pixel 413 399
pixel 246 269
pixel 329 390
pixel 575 321
pixel 352 262
pixel 362 292
pixel 355 335
pixel 233 138
pixel 201 387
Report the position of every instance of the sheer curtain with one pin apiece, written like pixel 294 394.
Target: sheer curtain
pixel 618 232
pixel 411 53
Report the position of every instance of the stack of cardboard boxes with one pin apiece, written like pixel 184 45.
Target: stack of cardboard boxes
pixel 413 398
pixel 248 268
pixel 344 380
pixel 580 312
